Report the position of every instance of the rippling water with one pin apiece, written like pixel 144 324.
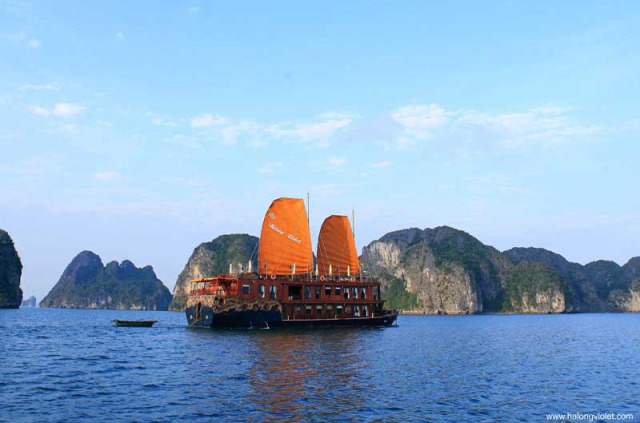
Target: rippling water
pixel 74 365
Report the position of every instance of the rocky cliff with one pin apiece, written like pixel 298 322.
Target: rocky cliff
pixel 87 283
pixel 444 270
pixel 449 271
pixel 535 288
pixel 213 258
pixel 10 273
pixel 623 286
pixel 599 286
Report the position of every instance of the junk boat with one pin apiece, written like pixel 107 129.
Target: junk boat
pixel 286 290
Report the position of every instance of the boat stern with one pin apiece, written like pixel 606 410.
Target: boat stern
pixel 199 313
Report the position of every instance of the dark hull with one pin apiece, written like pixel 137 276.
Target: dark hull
pixel 273 319
pixel 134 323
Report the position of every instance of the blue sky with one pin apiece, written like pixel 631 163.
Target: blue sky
pixel 139 129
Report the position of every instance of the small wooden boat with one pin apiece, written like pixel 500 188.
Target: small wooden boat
pixel 134 323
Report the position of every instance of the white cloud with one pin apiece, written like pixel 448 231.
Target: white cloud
pixel 40 87
pixel 321 131
pixel 549 125
pixel 257 143
pixel 419 121
pixel 230 134
pixel 39 110
pixel 208 120
pixel 380 165
pixel 67 110
pixel 270 168
pixel 194 9
pixel 338 161
pixel 120 36
pixel 466 133
pixel 160 120
pixel 23 39
pixel 108 176
pixel 539 125
pixel 63 110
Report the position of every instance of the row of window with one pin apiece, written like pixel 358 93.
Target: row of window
pixel 316 292
pixel 338 310
pixel 337 291
pixel 273 291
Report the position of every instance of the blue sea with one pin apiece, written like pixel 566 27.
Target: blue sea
pixel 75 366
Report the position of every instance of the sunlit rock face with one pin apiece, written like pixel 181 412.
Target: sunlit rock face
pixel 440 270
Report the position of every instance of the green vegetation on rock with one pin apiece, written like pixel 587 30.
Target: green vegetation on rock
pixel 86 283
pixel 396 295
pixel 534 286
pixel 450 271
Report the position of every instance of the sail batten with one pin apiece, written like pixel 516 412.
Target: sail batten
pixel 336 247
pixel 285 241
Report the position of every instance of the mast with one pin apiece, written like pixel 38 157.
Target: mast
pixel 353 228
pixel 353 223
pixel 310 272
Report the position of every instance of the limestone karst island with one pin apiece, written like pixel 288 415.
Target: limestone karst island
pixel 432 271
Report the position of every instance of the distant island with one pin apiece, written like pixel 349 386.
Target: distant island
pixel 10 273
pixel 447 271
pixel 87 283
pixel 29 302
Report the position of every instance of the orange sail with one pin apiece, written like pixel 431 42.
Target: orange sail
pixel 336 247
pixel 285 241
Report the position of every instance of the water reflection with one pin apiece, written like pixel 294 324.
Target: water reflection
pixel 430 368
pixel 298 373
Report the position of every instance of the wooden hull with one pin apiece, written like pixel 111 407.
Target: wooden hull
pixel 273 319
pixel 134 323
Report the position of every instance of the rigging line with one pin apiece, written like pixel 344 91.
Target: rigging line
pixel 324 249
pixel 254 254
